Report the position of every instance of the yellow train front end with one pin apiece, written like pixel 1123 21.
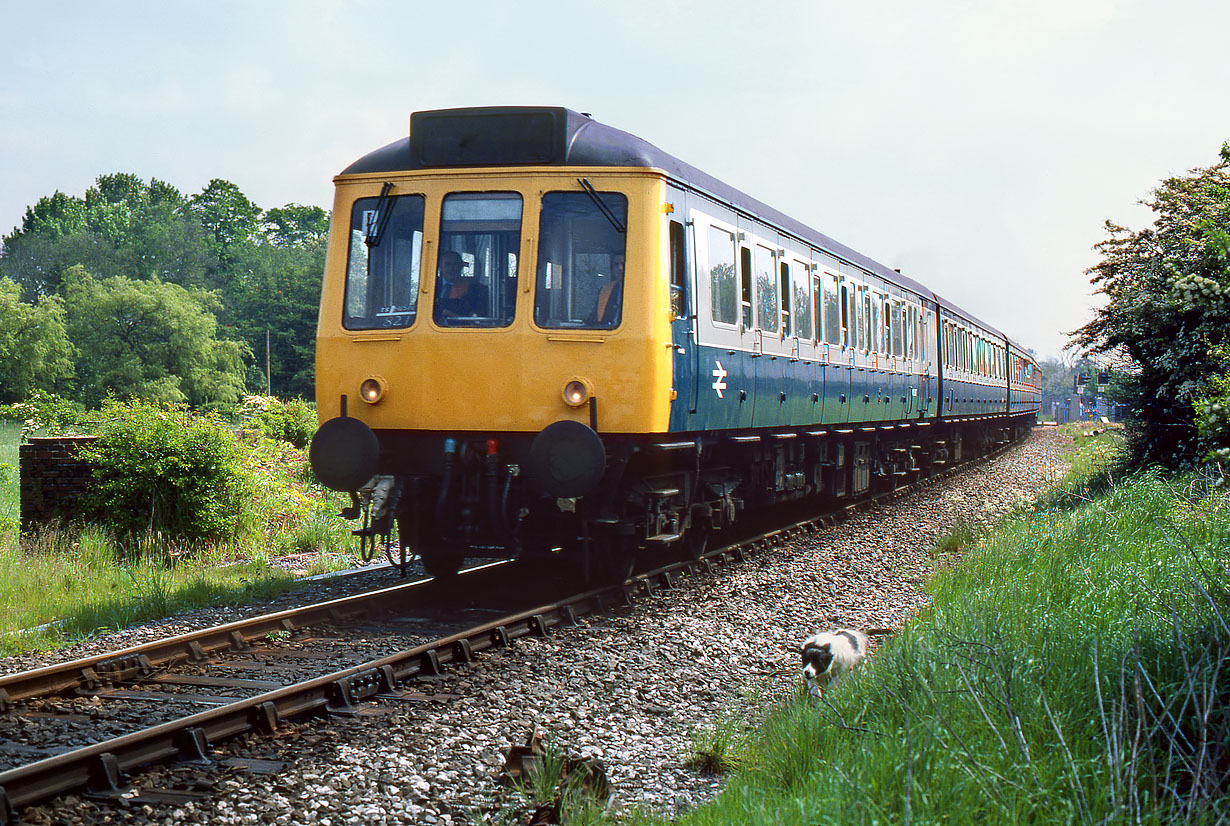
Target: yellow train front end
pixel 535 331
pixel 493 338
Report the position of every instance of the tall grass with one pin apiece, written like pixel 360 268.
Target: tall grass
pixel 1074 668
pixel 66 585
pixel 10 438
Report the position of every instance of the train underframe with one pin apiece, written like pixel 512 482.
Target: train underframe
pixel 447 499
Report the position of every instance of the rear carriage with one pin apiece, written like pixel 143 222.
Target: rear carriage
pixel 538 333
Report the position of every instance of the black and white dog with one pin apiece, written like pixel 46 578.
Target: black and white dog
pixel 829 653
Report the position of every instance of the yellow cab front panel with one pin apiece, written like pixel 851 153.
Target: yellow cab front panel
pixel 501 360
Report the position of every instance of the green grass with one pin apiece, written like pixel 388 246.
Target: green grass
pixel 1074 668
pixel 67 583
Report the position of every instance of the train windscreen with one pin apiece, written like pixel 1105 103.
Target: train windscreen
pixel 382 268
pixel 476 267
pixel 581 251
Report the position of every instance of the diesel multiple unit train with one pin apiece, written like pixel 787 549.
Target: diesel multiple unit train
pixel 541 335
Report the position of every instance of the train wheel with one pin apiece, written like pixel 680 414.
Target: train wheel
pixel 695 542
pixel 612 559
pixel 441 563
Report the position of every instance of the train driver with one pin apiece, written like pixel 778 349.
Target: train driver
pixel 610 296
pixel 457 296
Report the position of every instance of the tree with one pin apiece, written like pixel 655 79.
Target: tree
pixel 34 349
pixel 1167 310
pixel 150 340
pixel 53 217
pixel 278 294
pixel 225 213
pixel 295 225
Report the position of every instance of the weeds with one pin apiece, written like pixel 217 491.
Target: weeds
pixel 555 786
pixel 715 748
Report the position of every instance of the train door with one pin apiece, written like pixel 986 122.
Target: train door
pixel 751 342
pixel 839 338
pixel 819 348
pixel 799 343
pixel 768 354
pixel 860 377
pixel 881 372
pixel 933 334
pixel 683 315
pixel 901 381
pixel 723 379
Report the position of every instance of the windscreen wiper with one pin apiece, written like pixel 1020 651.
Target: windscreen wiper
pixel 374 230
pixel 593 195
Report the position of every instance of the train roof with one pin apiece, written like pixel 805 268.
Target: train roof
pixel 555 136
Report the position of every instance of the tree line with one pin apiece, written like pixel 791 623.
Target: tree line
pixel 138 290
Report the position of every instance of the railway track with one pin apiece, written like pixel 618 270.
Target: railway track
pixel 173 699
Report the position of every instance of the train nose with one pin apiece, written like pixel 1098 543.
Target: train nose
pixel 567 459
pixel 344 454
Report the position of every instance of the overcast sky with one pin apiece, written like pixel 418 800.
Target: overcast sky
pixel 977 145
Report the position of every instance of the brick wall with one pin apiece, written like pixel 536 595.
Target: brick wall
pixel 52 479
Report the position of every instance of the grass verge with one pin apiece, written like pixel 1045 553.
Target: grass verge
pixel 1074 668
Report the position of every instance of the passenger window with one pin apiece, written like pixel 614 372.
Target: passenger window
pixel 382 267
pixel 845 316
pixel 864 319
pixel 784 287
pixel 800 280
pixel 817 304
pixel 745 269
pixel 898 344
pixel 834 311
pixel 766 290
pixel 581 256
pixel 910 342
pixel 723 286
pixel 874 321
pixel 476 263
pixel 886 340
pixel 678 270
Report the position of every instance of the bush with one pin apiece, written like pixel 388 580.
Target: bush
pixel 46 412
pixel 163 469
pixel 292 421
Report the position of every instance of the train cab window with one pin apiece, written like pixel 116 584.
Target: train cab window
pixel 723 285
pixel 581 249
pixel 476 262
pixel 801 302
pixel 766 290
pixel 679 307
pixel 382 268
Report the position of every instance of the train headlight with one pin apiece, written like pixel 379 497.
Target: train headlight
pixel 576 393
pixel 371 390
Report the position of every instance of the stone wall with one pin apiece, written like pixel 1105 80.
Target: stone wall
pixel 52 479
